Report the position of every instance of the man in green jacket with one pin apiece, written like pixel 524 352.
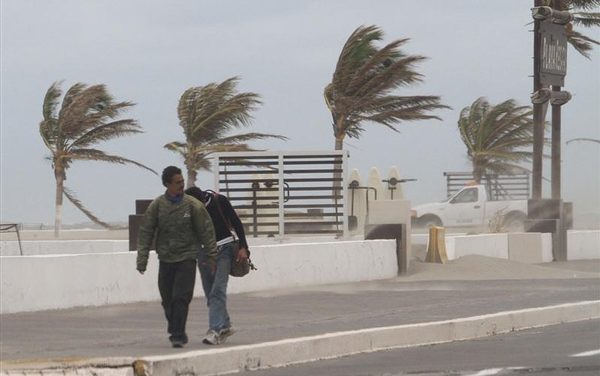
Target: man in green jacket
pixel 183 229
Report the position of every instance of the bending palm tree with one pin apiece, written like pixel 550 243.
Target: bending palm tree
pixel 497 137
pixel 87 117
pixel 207 114
pixel 363 81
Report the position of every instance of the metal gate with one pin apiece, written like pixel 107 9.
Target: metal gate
pixel 281 193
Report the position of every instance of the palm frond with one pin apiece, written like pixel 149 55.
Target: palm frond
pixel 231 112
pixel 49 125
pixel 580 4
pixel 98 155
pixel 107 132
pixel 253 136
pixel 75 201
pixel 358 48
pixel 586 19
pixel 176 146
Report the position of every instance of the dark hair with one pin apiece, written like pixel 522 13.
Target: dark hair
pixel 195 192
pixel 168 174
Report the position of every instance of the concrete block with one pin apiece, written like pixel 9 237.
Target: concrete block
pixel 389 211
pixel 530 247
pixel 583 245
pixel 490 245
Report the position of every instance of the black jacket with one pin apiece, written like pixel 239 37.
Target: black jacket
pixel 211 200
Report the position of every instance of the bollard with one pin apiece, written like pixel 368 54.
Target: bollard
pixel 436 247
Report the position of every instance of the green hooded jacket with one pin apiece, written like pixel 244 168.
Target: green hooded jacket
pixel 182 230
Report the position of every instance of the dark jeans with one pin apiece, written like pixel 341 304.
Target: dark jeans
pixel 176 285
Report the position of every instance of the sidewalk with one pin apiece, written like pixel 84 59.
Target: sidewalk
pixel 467 287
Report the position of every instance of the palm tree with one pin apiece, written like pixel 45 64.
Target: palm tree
pixel 207 114
pixel 88 115
pixel 581 17
pixel 362 85
pixel 497 137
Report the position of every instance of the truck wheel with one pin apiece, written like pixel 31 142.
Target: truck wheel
pixel 427 221
pixel 514 222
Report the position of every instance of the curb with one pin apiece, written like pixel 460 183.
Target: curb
pixel 332 345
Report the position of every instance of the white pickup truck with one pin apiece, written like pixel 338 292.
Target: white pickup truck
pixel 471 207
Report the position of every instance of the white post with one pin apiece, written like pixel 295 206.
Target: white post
pixel 281 197
pixel 216 174
pixel 345 193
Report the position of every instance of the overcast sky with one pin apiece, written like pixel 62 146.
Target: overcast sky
pixel 149 52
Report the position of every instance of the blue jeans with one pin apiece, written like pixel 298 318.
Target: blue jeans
pixel 215 286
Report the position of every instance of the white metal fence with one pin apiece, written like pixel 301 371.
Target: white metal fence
pixel 279 193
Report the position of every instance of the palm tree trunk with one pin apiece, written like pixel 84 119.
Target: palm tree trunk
pixel 59 176
pixel 191 178
pixel 337 177
pixel 477 174
pixel 339 133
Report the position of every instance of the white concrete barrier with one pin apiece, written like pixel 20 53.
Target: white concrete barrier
pixel 32 283
pixel 583 245
pixel 491 245
pixel 530 247
pixel 524 247
pixel 61 247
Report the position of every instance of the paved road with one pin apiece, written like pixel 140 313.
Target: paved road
pixel 139 329
pixel 566 349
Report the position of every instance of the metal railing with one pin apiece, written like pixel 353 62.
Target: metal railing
pixel 7 227
pixel 499 187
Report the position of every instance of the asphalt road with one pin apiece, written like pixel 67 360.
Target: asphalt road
pixel 566 349
pixel 140 329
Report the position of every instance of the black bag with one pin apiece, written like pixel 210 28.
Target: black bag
pixel 240 269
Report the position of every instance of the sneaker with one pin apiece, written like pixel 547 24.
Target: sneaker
pixel 211 338
pixel 225 333
pixel 178 341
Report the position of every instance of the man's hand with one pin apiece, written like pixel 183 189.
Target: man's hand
pixel 141 271
pixel 242 255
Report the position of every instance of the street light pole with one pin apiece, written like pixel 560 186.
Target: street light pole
pixel 538 121
pixel 556 130
pixel 550 68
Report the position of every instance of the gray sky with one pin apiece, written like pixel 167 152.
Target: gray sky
pixel 149 52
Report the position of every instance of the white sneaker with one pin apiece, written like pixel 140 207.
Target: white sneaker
pixel 211 338
pixel 225 333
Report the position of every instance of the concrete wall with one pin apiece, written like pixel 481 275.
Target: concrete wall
pixel 32 283
pixel 57 247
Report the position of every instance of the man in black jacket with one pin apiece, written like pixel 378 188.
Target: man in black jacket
pixel 228 227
